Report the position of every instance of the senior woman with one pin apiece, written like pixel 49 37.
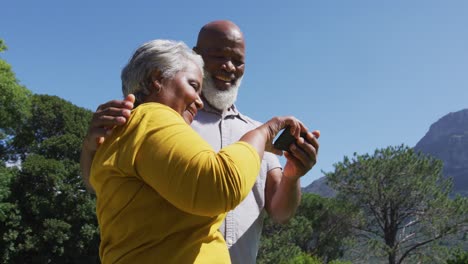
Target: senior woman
pixel 162 191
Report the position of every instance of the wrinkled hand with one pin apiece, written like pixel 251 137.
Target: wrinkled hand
pixel 276 124
pixel 105 119
pixel 302 155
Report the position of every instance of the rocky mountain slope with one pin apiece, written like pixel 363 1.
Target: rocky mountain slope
pixel 447 139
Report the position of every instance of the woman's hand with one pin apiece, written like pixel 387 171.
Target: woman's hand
pixel 276 124
pixel 302 154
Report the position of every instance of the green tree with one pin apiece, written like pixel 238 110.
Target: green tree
pixel 3 46
pixel 14 104
pixel 8 211
pixel 46 215
pixel 332 221
pixel 281 242
pixel 319 230
pixel 460 257
pixel 55 215
pixel 404 200
pixel 55 129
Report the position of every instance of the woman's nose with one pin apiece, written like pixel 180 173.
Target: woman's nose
pixel 199 103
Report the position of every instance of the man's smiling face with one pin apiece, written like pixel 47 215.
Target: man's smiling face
pixel 224 59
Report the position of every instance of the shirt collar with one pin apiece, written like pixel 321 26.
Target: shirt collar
pixel 231 111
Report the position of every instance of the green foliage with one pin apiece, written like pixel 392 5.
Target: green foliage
pixel 281 243
pixel 460 257
pixel 331 222
pixel 6 176
pixel 46 216
pixel 319 228
pixel 14 100
pixel 8 212
pixel 404 200
pixel 55 219
pixel 55 129
pixel 3 46
pixel 304 258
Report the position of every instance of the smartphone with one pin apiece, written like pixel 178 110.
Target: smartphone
pixel 285 139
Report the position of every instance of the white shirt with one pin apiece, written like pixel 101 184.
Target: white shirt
pixel 243 225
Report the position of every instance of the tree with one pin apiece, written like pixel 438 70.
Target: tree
pixel 55 217
pixel 460 257
pixel 55 221
pixel 3 46
pixel 14 104
pixel 54 129
pixel 8 212
pixel 14 98
pixel 404 199
pixel 319 229
pixel 46 215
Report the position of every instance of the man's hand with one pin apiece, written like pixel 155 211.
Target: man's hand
pixel 302 155
pixel 283 188
pixel 107 116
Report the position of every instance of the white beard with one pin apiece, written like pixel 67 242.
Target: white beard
pixel 220 100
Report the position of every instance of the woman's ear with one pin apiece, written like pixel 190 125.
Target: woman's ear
pixel 156 80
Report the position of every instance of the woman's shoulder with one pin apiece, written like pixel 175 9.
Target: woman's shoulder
pixel 153 110
pixel 154 115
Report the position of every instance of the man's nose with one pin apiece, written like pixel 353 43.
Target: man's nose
pixel 229 66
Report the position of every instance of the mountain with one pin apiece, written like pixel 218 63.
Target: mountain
pixel 447 140
pixel 320 187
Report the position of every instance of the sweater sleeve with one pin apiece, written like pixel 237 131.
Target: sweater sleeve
pixel 184 169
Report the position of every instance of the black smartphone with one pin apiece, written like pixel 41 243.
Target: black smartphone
pixel 285 139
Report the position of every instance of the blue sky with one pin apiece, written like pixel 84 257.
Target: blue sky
pixel 368 74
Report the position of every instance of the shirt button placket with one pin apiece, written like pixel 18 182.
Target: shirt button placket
pixel 229 220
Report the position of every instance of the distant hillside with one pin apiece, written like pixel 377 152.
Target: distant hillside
pixel 447 139
pixel 320 187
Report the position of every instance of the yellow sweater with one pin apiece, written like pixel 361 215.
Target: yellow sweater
pixel 162 191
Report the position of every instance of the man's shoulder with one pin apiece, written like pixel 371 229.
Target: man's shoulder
pixel 269 158
pixel 210 114
pixel 250 120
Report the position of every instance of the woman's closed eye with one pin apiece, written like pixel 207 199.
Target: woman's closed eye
pixel 195 85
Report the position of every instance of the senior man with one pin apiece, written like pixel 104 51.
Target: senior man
pixel 276 191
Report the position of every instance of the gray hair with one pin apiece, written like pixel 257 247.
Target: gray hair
pixel 167 56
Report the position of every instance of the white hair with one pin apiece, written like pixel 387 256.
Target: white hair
pixel 219 99
pixel 167 56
